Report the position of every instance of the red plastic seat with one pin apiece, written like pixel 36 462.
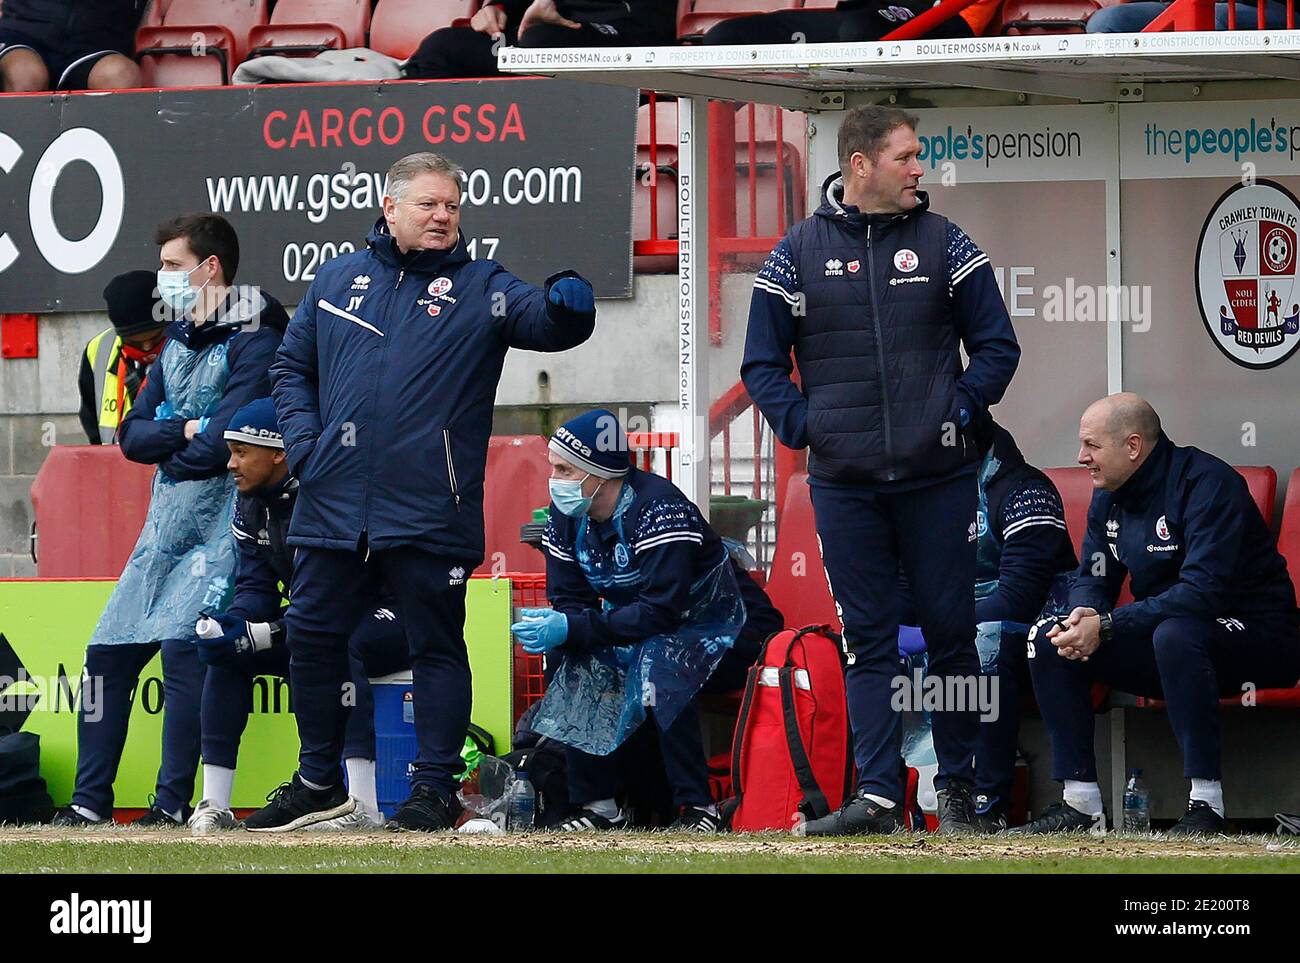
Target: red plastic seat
pixel 1262 482
pixel 797 581
pixel 708 13
pixel 311 26
pixel 514 483
pixel 664 195
pixel 398 26
pixel 199 43
pixel 1046 16
pixel 153 16
pixel 90 504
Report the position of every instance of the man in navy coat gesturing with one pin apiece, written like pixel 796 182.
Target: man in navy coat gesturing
pixel 384 390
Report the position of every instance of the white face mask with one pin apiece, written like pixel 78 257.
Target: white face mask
pixel 175 290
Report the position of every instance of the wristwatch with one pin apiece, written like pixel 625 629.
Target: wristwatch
pixel 1106 630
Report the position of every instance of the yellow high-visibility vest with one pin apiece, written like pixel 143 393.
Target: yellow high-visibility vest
pixel 104 352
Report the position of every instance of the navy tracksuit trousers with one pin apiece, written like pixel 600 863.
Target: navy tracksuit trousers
pixel 332 592
pixel 101 731
pixel 378 647
pixel 680 747
pixel 864 536
pixel 1189 662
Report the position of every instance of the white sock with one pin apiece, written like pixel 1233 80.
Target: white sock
pixel 311 785
pixel 87 813
pixel 879 800
pixel 1083 796
pixel 218 784
pixel 603 807
pixel 1210 791
pixel 361 783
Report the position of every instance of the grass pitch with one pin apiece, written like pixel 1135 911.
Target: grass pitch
pixel 126 850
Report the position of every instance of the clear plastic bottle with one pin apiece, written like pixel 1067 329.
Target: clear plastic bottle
pixel 1137 804
pixel 521 804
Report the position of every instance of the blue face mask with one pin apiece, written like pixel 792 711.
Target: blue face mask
pixel 568 497
pixel 175 290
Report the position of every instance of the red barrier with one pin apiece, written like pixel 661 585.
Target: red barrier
pixel 90 505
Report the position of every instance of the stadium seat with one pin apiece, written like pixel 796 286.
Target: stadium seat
pixel 311 26
pixel 1262 482
pixel 707 13
pixel 199 43
pixel 797 582
pixel 1075 486
pixel 514 483
pixel 398 26
pixel 771 222
pixel 1046 16
pixel 665 194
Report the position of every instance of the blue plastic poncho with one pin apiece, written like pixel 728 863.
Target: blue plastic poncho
pixel 184 560
pixel 599 697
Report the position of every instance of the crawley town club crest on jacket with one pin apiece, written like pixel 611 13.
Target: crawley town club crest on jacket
pixel 1246 274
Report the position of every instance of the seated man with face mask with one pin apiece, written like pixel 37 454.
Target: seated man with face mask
pixel 645 605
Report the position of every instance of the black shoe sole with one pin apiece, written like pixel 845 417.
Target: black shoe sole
pixel 307 819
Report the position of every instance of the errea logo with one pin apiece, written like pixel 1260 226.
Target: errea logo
pixel 1112 529
pixel 457 576
pixel 361 282
pixel 834 268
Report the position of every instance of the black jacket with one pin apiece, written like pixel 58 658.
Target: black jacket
pixel 1187 531
pixel 876 309
pixel 76 26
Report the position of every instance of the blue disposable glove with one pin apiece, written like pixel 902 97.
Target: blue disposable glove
pixel 164 411
pixel 541 630
pixel 205 420
pixel 573 294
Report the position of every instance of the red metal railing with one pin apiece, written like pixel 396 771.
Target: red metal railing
pixel 1199 15
pixel 737 169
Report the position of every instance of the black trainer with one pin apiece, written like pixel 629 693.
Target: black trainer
pixel 69 818
pixel 695 820
pixel 159 818
pixel 588 821
pixel 957 811
pixel 294 805
pixel 1062 818
pixel 858 816
pixel 1199 820
pixel 426 811
pixel 990 813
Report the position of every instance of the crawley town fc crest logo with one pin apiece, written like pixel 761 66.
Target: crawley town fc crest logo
pixel 1246 274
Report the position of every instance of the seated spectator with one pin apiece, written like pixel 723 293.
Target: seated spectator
pixel 69 44
pixel 472 51
pixel 851 21
pixel 646 604
pixel 1214 609
pixel 115 362
pixel 1133 17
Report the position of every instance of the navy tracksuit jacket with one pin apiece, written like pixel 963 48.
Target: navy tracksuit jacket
pixel 876 309
pixel 384 388
pixel 1214 607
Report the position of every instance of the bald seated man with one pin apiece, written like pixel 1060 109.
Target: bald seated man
pixel 1214 609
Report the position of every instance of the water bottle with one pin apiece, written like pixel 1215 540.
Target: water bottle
pixel 521 804
pixel 1137 804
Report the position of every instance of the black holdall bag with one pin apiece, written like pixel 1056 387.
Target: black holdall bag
pixel 23 796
